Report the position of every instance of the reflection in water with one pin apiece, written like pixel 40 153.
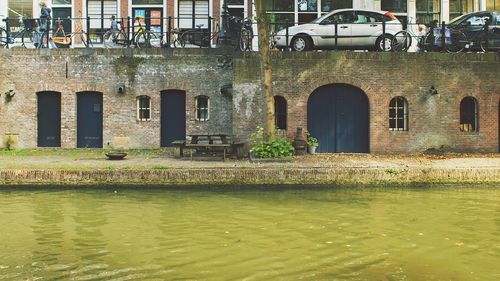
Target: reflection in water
pixel 255 234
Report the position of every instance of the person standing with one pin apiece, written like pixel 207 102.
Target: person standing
pixel 45 16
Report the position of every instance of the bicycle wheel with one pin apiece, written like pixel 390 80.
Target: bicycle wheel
pixel 245 40
pixel 457 41
pixel 429 44
pixel 186 37
pixel 141 40
pixel 31 39
pixel 484 42
pixel 83 38
pixel 179 42
pixel 3 38
pixel 401 41
pixel 114 39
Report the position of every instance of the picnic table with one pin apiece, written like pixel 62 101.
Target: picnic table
pixel 210 143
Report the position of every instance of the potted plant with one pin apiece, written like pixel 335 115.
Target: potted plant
pixel 312 143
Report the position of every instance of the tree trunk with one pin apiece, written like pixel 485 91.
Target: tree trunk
pixel 265 66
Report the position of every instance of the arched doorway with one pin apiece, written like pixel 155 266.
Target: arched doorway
pixel 89 119
pixel 338 116
pixel 173 117
pixel 48 119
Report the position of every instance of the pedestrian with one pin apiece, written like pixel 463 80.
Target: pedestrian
pixel 114 27
pixel 45 16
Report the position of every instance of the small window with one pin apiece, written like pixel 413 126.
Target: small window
pixel 398 114
pixel 280 112
pixel 469 115
pixel 143 108
pixel 202 108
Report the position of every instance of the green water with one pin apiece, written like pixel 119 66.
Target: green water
pixel 448 233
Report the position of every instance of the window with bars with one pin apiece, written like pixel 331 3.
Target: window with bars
pixel 143 108
pixel 469 121
pixel 202 108
pixel 280 112
pixel 398 114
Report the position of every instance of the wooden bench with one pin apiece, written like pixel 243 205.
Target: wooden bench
pixel 179 146
pixel 211 147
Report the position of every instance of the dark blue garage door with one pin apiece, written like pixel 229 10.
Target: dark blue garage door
pixel 49 119
pixel 173 117
pixel 89 119
pixel 337 115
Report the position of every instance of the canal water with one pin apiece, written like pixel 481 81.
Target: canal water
pixel 251 233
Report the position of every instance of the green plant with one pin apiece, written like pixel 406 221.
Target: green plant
pixel 9 144
pixel 279 148
pixel 312 141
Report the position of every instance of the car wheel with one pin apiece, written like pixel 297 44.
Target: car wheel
pixel 301 43
pixel 380 43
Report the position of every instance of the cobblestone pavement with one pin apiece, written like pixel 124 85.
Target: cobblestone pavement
pixel 163 160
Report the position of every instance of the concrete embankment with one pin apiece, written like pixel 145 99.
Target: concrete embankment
pixel 249 176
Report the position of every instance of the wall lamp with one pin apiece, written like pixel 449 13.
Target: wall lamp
pixel 432 90
pixel 9 94
pixel 121 89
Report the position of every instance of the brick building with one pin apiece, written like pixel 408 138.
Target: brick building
pixel 350 101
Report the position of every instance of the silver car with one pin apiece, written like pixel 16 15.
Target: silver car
pixel 356 29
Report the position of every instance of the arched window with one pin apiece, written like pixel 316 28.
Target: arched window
pixel 202 108
pixel 469 115
pixel 280 112
pixel 143 108
pixel 398 114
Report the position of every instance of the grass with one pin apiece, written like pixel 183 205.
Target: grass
pixel 80 153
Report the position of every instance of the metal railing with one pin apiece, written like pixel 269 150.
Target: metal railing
pixel 168 32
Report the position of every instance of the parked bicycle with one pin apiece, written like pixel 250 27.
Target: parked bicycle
pixel 197 36
pixel 59 37
pixel 116 38
pixel 26 33
pixel 246 35
pixel 403 40
pixel 145 38
pixel 454 40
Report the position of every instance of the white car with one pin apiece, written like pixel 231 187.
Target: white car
pixel 356 29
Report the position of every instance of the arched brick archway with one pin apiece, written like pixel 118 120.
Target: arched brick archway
pixel 338 116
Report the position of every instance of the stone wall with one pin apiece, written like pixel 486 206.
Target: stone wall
pixel 433 118
pixel 143 72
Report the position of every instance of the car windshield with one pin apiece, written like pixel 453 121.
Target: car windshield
pixel 457 20
pixel 320 19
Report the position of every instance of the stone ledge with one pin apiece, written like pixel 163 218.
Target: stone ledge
pixel 250 176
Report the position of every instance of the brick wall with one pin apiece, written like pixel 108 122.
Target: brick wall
pixel 433 119
pixel 143 72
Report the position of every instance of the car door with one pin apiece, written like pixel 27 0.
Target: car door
pixel 474 24
pixel 326 30
pixel 366 28
pixel 494 32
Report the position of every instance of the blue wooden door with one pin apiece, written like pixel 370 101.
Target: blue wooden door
pixel 89 119
pixel 173 117
pixel 49 119
pixel 337 115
